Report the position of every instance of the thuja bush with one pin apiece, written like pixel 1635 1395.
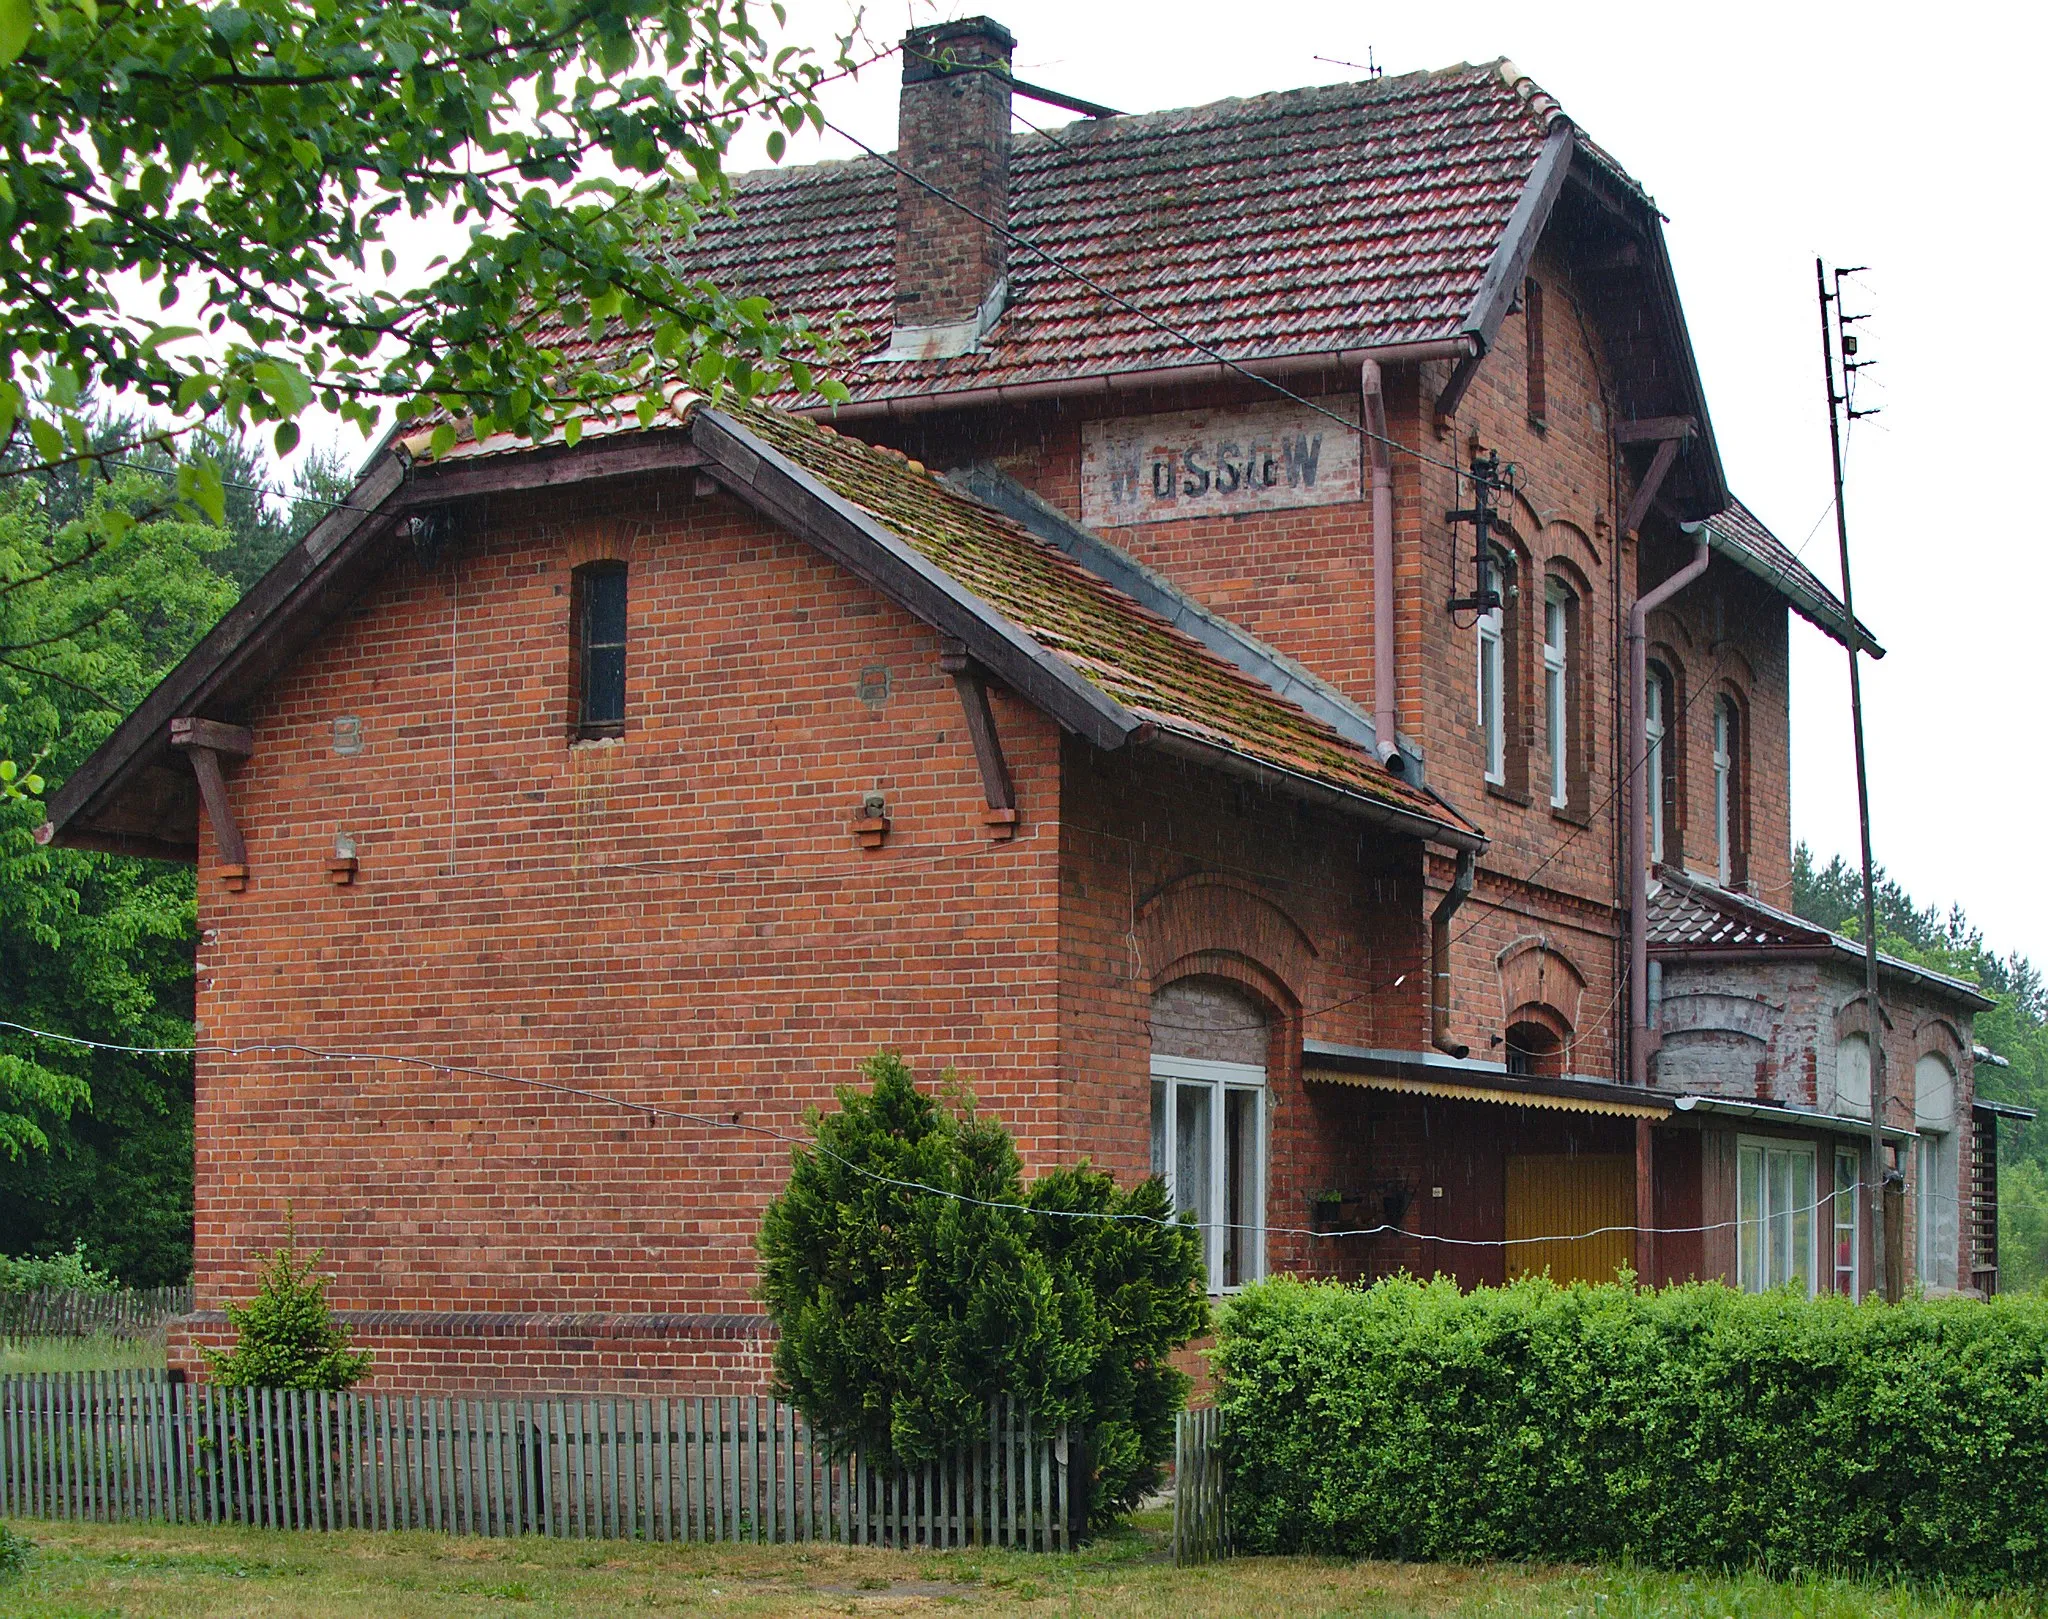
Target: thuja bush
pixel 286 1337
pixel 1695 1427
pixel 914 1278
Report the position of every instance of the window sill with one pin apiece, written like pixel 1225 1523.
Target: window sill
pixel 597 739
pixel 1500 789
pixel 1570 813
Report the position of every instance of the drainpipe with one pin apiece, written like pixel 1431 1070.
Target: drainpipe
pixel 1385 718
pixel 1634 822
pixel 1440 956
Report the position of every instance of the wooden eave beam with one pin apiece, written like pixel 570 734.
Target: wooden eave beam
pixel 787 494
pixel 969 682
pixel 522 471
pixel 1653 480
pixel 205 743
pixel 1453 396
pixel 1655 429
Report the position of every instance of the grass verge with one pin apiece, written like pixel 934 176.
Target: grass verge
pixel 100 1352
pixel 186 1573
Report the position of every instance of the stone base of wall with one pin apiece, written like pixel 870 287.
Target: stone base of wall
pixel 514 1353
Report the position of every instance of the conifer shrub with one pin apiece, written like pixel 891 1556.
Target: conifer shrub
pixel 914 1279
pixel 286 1337
pixel 1694 1427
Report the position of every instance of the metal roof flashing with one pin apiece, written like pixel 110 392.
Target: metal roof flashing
pixel 1777 1113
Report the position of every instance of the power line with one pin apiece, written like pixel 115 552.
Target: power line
pixel 654 1111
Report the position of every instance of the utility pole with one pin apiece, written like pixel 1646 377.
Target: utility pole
pixel 1838 403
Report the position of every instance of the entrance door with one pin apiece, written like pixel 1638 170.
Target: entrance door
pixel 1572 1212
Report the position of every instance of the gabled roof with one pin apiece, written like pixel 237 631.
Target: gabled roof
pixel 1691 917
pixel 1739 535
pixel 1158 674
pixel 1060 636
pixel 1315 222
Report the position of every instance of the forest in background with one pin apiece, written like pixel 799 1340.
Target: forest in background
pixel 97 1146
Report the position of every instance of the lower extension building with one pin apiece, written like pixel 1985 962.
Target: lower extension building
pixel 1145 737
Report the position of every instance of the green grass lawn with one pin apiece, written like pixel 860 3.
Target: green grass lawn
pixel 79 1570
pixel 102 1352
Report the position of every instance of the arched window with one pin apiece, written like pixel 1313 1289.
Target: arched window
pixel 1559 699
pixel 597 664
pixel 1209 1045
pixel 1938 1158
pixel 1660 773
pixel 1852 1076
pixel 1730 834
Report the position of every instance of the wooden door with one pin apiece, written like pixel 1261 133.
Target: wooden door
pixel 1571 1212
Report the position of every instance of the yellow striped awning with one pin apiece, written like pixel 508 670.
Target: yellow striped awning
pixel 1504 1096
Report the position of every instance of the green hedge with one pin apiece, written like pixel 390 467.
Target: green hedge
pixel 1696 1427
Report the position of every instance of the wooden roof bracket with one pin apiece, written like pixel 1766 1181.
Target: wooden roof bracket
pixel 971 682
pixel 205 742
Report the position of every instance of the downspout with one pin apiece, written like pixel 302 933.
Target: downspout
pixel 1385 715
pixel 1440 956
pixel 1635 823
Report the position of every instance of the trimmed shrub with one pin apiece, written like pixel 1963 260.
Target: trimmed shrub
pixel 1695 1427
pixel 904 1311
pixel 286 1337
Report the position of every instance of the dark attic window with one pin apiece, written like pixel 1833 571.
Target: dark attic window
pixel 599 664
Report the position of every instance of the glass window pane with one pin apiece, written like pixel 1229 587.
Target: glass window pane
pixel 1194 1114
pixel 1801 1214
pixel 1749 1182
pixel 1159 1096
pixel 603 631
pixel 1778 1216
pixel 1241 1186
pixel 1846 1211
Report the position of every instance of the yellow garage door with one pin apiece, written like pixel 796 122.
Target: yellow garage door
pixel 1555 1199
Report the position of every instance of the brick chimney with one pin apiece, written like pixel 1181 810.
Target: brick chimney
pixel 953 131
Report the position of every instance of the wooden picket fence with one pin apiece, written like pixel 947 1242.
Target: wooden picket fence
pixel 123 1446
pixel 1201 1526
pixel 66 1313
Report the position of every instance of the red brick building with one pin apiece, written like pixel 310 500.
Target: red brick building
pixel 1080 708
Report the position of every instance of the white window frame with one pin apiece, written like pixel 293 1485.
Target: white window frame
pixel 1724 766
pixel 1754 1270
pixel 1556 693
pixel 1937 1176
pixel 1654 732
pixel 1224 1079
pixel 1848 1216
pixel 1492 689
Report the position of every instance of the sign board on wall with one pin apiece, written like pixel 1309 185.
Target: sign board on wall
pixel 1213 463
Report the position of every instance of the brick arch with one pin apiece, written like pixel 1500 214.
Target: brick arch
pixel 1564 541
pixel 1536 976
pixel 1939 1035
pixel 1853 1015
pixel 601 539
pixel 1208 921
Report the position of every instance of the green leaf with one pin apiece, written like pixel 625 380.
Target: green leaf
pixel 286 438
pixel 17 21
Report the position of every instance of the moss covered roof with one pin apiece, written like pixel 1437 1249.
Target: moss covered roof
pixel 1130 654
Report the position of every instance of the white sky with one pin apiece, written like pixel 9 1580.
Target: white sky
pixel 1905 140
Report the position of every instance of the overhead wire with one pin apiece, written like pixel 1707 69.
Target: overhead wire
pixel 807 1143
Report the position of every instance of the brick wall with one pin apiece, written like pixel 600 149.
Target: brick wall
pixel 682 918
pixel 1771 1031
